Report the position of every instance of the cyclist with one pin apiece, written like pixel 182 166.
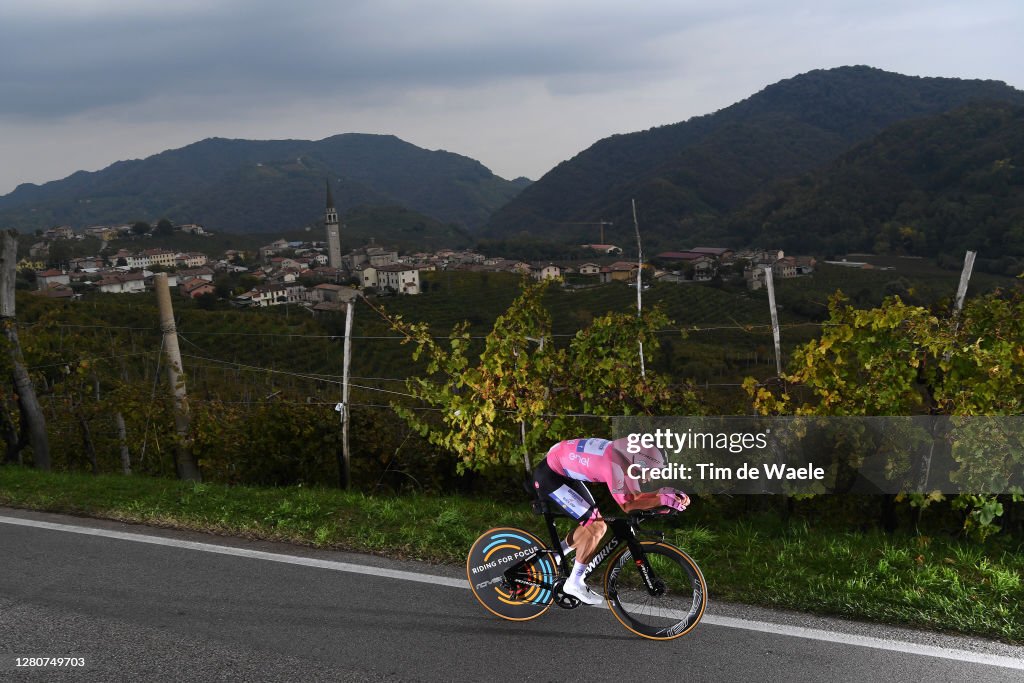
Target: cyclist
pixel 560 477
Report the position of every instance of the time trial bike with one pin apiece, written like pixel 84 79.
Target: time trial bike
pixel 652 587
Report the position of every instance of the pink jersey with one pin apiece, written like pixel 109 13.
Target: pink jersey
pixel 595 460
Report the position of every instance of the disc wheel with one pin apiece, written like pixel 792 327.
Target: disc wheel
pixel 681 593
pixel 524 593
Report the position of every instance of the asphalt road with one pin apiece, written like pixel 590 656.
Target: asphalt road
pixel 140 611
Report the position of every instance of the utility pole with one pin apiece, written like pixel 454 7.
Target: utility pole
pixel 345 466
pixel 185 464
pixel 924 471
pixel 770 284
pixel 965 278
pixel 522 423
pixel 639 285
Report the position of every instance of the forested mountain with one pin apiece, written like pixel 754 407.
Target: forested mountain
pixel 687 176
pixel 928 187
pixel 263 186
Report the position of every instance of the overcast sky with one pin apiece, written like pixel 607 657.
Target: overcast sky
pixel 519 85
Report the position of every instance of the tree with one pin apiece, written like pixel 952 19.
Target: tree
pixel 141 228
pixel 222 285
pixel 59 254
pixel 899 359
pixel 164 227
pixel 519 396
pixel 207 301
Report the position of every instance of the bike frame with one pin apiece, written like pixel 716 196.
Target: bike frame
pixel 623 531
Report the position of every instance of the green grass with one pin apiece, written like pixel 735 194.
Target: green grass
pixel 930 582
pixel 920 581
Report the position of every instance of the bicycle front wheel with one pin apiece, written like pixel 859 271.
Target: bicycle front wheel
pixel 681 598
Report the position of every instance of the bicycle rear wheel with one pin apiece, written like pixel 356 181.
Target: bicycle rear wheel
pixel 672 613
pixel 518 595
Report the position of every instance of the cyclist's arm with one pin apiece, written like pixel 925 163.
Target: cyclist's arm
pixel 626 492
pixel 665 497
pixel 643 501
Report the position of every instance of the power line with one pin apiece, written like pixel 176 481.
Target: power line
pixel 316 378
pixel 97 327
pixel 95 358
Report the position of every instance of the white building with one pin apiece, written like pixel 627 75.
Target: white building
pixel 161 257
pixel 277 294
pixel 754 276
pixel 333 293
pixel 397 277
pixel 136 261
pixel 192 259
pixel 47 278
pixel 122 283
pixel 373 256
pixel 269 295
pixel 547 271
pixel 203 273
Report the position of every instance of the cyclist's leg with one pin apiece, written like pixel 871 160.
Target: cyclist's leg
pixel 572 496
pixel 586 540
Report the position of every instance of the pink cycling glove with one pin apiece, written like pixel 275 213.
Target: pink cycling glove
pixel 670 497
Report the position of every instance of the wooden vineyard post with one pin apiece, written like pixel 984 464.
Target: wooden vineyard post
pixel 31 412
pixel 775 319
pixel 185 463
pixel 345 466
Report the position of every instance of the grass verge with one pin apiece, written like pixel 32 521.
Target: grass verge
pixel 930 582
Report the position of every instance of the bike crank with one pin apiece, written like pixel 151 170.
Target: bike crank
pixel 563 599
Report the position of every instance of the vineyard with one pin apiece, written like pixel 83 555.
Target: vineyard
pixel 263 384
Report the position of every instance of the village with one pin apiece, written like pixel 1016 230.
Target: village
pixel 316 275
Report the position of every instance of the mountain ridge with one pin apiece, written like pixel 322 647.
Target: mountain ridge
pixel 686 175
pixel 936 186
pixel 177 183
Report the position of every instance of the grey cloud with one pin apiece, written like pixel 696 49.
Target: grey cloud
pixel 75 63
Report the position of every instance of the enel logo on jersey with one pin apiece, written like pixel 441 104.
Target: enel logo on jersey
pixel 582 460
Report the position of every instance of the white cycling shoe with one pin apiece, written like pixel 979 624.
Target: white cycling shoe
pixel 582 592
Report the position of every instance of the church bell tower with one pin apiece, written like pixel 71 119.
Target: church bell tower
pixel 333 231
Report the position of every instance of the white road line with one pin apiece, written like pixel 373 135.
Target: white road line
pixel 868 641
pixel 727 622
pixel 242 552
